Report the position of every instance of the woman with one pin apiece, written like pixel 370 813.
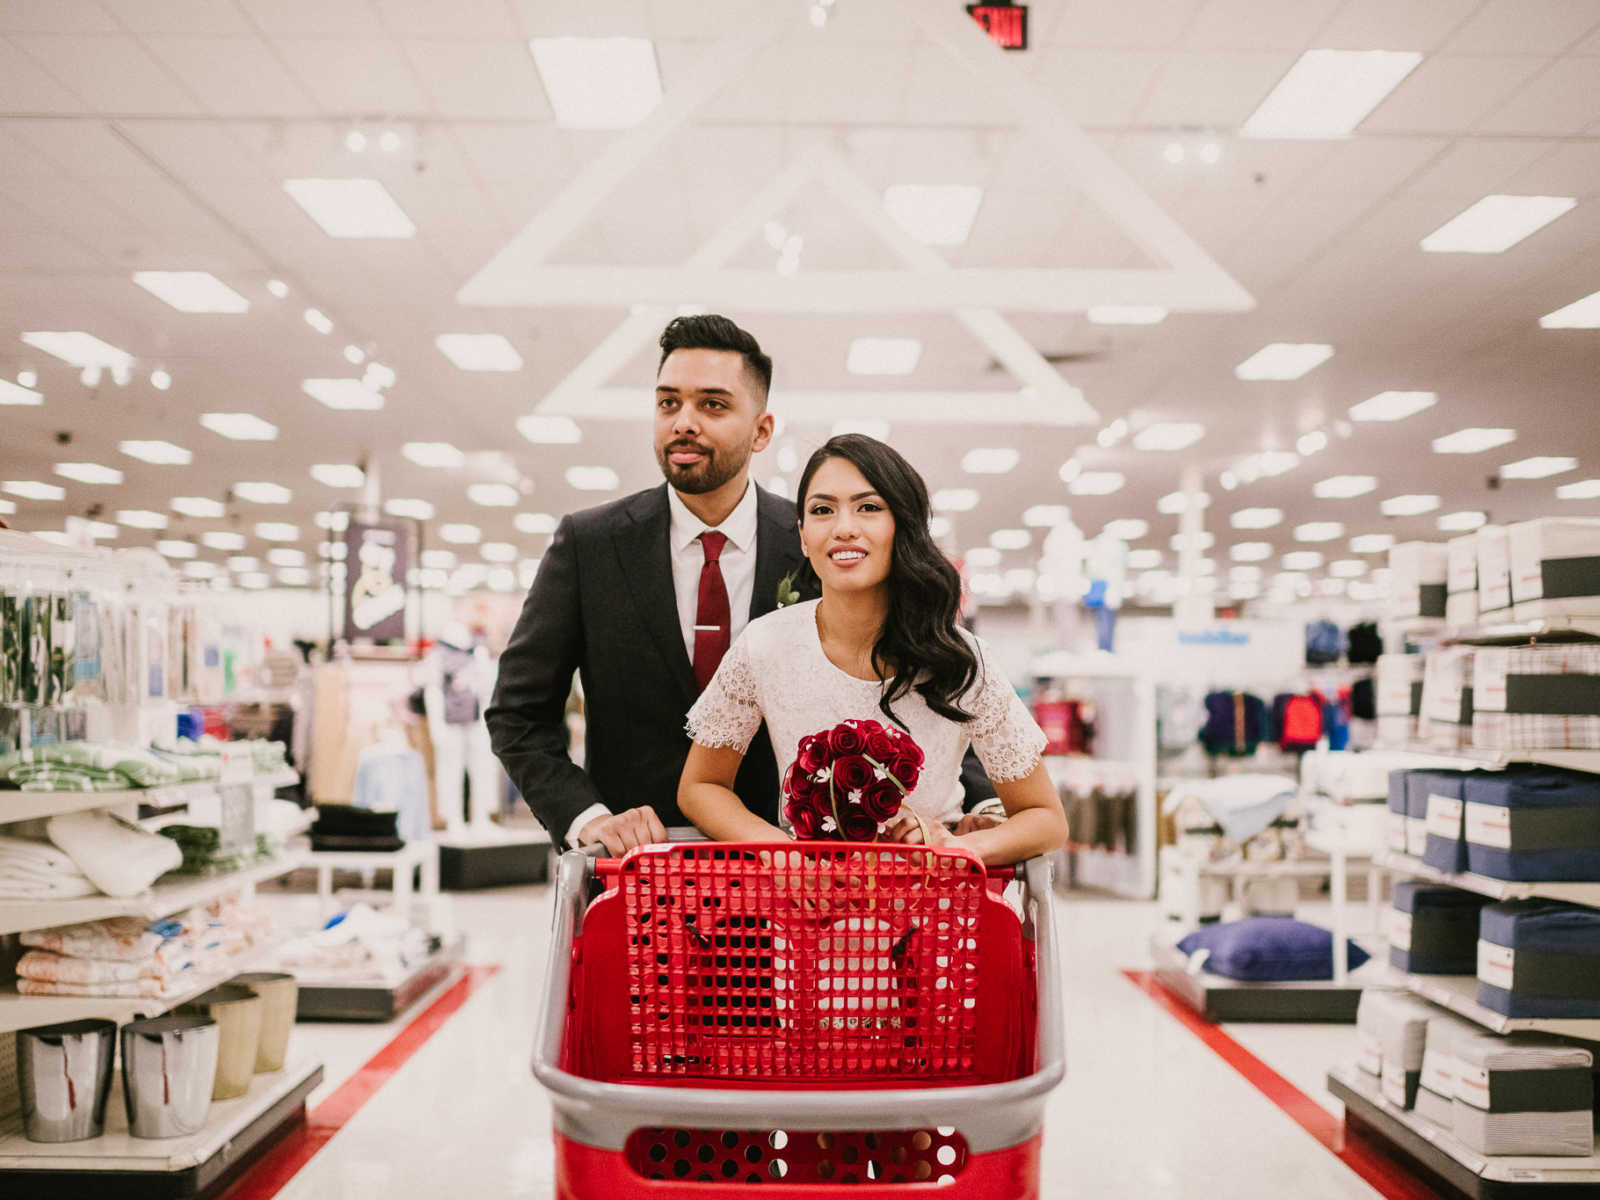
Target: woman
pixel 882 644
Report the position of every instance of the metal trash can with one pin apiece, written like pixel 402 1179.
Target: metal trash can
pixel 169 1065
pixel 64 1076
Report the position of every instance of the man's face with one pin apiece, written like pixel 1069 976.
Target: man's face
pixel 709 419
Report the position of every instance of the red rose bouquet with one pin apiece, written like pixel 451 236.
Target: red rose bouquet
pixel 848 782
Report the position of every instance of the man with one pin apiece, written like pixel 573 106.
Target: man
pixel 642 597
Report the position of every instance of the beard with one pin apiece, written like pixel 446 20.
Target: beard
pixel 711 472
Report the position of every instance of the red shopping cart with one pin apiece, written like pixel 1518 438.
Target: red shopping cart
pixel 814 1018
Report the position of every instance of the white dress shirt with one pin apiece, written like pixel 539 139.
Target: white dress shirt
pixel 738 564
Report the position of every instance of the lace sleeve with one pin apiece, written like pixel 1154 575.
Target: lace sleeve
pixel 728 712
pixel 1005 735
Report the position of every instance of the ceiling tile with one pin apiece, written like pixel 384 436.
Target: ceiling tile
pixel 55 16
pixel 1570 169
pixel 88 149
pixel 1394 24
pixel 1451 93
pixel 496 151
pixel 1096 87
pixel 351 75
pixel 480 78
pixel 1564 99
pixel 232 75
pixel 1212 89
pixel 459 18
pixel 670 19
pixel 1524 27
pixel 113 74
pixel 1251 25
pixel 25 86
pixel 1134 25
pixel 313 16
pixel 180 16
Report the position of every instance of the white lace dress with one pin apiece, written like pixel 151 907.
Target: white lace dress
pixel 777 671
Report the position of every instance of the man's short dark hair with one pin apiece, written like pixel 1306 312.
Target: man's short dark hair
pixel 712 332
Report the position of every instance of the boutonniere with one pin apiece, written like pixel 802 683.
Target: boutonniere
pixel 787 593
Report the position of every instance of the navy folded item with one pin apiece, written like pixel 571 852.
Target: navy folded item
pixel 1433 930
pixel 1397 811
pixel 1533 824
pixel 1539 958
pixel 1420 785
pixel 1269 948
pixel 1443 817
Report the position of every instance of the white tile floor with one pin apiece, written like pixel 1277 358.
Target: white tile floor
pixel 1146 1111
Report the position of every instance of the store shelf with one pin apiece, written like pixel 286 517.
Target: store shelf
pixel 118 1164
pixel 171 895
pixel 1478 1176
pixel 1572 629
pixel 1571 760
pixel 1587 894
pixel 329 998
pixel 33 806
pixel 1220 999
pixel 1459 994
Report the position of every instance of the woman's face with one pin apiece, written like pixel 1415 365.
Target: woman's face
pixel 846 528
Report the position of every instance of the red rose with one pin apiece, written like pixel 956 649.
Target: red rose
pixel 908 746
pixel 881 800
pixel 880 744
pixel 846 739
pixel 813 755
pixel 905 768
pixel 797 784
pixel 803 819
pixel 852 773
pixel 858 826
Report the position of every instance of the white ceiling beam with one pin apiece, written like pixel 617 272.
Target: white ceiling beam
pixel 825 407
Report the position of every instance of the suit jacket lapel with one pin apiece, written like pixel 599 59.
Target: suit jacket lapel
pixel 777 550
pixel 646 561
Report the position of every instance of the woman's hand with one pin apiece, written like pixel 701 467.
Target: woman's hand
pixel 907 829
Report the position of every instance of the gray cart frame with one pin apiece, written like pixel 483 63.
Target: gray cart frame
pixel 990 1116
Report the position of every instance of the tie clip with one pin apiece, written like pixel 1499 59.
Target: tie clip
pixel 700 627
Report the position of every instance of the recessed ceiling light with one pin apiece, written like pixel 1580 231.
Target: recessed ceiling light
pixel 1330 587
pixel 1587 489
pixel 1169 435
pixel 163 454
pixel 1126 314
pixel 955 499
pixel 989 460
pixel 493 495
pixel 534 522
pixel 593 479
pixel 934 214
pixel 1244 589
pixel 338 475
pixel 1112 433
pixel 294 576
pixel 1327 93
pixel 479 351
pixel 262 492
pixel 198 506
pixel 1473 441
pixel 1303 560
pixel 549 431
pixel 33 489
pixel 1256 518
pixel 351 208
pixel 192 291
pixel 336 522
pixel 1275 462
pixel 1537 468
pixel 872 427
pixel 141 518
pixel 1311 443
pixel 1343 487
pixel 1203 540
pixel 243 562
pixel 103 531
pixel 459 534
pixel 7 508
pixel 1371 543
pixel 177 549
pixel 1250 551
pixel 223 539
pixel 1580 314
pixel 336 551
pixel 1318 531
pixel 277 531
pixel 1127 529
pixel 318 320
pixel 86 472
pixel 1046 516
pixel 983 557
pixel 883 356
pixel 80 349
pixel 1144 559
pixel 1011 539
pixel 278 288
pixel 432 579
pixel 1177 503
pixel 240 427
pixel 160 380
pixel 1248 574
pixel 355 355
pixel 343 395
pixel 1096 483
pixel 1347 568
pixel 1410 505
pixel 439 559
pixel 598 82
pixel 286 556
pixel 499 552
pixel 939 527
pixel 1393 406
pixel 502 579
pixel 434 454
pixel 255 581
pixel 1462 522
pixel 1284 360
pixel 200 570
pixel 416 510
pixel 1496 223
pixel 15 394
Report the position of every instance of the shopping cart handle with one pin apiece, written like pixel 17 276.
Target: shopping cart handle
pixel 606 867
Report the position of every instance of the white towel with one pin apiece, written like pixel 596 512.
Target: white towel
pixel 120 859
pixel 27 852
pixel 65 888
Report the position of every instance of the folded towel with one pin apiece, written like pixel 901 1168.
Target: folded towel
pixel 66 888
pixel 58 968
pixel 27 850
pixel 144 988
pixel 121 859
pixel 123 939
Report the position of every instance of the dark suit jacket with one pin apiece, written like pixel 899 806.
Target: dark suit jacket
pixel 603 605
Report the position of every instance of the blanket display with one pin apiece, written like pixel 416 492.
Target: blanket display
pixel 1555 567
pixel 119 858
pixel 1539 958
pixel 108 767
pixel 1434 930
pixel 1536 697
pixel 1522 1094
pixel 1392 1027
pixel 361 945
pixel 1533 824
pixel 34 870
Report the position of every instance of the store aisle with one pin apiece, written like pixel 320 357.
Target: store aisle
pixel 1147 1109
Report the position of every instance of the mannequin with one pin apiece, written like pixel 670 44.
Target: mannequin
pixel 460 684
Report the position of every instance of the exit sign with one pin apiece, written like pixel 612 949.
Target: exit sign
pixel 1006 24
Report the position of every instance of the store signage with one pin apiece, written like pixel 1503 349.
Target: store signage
pixel 1006 24
pixel 375 580
pixel 1213 637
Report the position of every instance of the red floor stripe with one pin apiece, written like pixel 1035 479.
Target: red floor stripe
pixel 1389 1177
pixel 280 1164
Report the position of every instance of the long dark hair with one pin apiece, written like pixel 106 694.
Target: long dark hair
pixel 918 648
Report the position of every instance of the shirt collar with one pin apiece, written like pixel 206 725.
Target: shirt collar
pixel 740 525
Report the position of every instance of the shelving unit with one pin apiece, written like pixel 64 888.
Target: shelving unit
pixel 1570 760
pixel 1459 994
pixel 1587 894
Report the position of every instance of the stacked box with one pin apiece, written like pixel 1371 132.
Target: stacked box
pixel 1443 817
pixel 1418 785
pixel 1494 573
pixel 1461 582
pixel 1397 696
pixel 1539 958
pixel 1522 1094
pixel 1391 1027
pixel 1445 719
pixel 1417 582
pixel 1537 697
pixel 1436 1091
pixel 1433 930
pixel 1398 799
pixel 1555 567
pixel 1533 824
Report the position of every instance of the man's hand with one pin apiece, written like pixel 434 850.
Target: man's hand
pixel 621 832
pixel 973 821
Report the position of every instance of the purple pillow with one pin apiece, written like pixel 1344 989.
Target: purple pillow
pixel 1269 948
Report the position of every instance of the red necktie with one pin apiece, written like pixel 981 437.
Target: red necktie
pixel 712 619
